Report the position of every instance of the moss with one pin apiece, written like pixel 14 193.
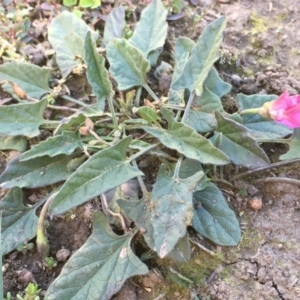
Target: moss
pixel 258 24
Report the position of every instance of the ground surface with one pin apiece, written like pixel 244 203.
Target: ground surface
pixel 261 43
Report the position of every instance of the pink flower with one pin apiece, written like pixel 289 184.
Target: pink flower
pixel 285 110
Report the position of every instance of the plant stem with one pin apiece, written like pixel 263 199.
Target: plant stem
pixel 177 168
pixel 148 89
pixel 142 152
pixel 286 141
pixel 98 137
pixel 50 124
pixel 62 108
pixel 138 97
pixel 66 97
pixel 188 107
pixel 112 111
pixel 278 179
pixel 140 180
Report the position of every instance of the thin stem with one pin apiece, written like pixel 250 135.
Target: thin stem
pixel 62 108
pixel 275 165
pixel 286 141
pixel 188 107
pixel 98 137
pixel 148 89
pixel 140 180
pixel 278 179
pixel 138 97
pixel 140 153
pixel 66 97
pixel 50 124
pixel 177 168
pixel 112 111
pixel 178 114
pixel 203 248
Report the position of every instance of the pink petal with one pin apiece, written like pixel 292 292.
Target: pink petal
pixel 283 101
pixel 291 117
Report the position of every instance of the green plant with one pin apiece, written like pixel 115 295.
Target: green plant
pixel 83 3
pixel 31 293
pixel 96 148
pixel 25 247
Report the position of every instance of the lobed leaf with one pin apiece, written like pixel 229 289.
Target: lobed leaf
pixel 99 268
pixel 151 30
pixel 22 119
pixel 66 143
pixel 18 143
pixel 213 218
pixel 127 64
pixel 97 75
pixel 187 141
pixel 103 171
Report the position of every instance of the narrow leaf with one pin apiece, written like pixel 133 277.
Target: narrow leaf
pixel 18 143
pixel 60 29
pixel 151 31
pixel 238 144
pixel 213 218
pixel 171 205
pixel 203 56
pixel 32 79
pixel 187 141
pixel 96 73
pixel 22 119
pixel 37 172
pixel 99 268
pixel 114 25
pixel 66 143
pixel 127 64
pixel 19 222
pixel 294 144
pixel 103 171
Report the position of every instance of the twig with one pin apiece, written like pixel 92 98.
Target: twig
pixel 278 179
pixel 161 296
pixel 203 248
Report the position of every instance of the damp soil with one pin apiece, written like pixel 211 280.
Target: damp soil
pixel 260 54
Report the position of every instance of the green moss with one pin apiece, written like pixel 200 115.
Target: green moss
pixel 258 24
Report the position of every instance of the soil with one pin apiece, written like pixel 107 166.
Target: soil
pixel 260 54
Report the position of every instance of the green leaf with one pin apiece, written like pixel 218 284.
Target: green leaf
pixel 187 141
pixel 171 205
pixel 97 75
pixel 103 171
pixel 106 260
pixel 151 31
pixel 294 144
pixel 203 56
pixel 89 3
pixel 235 140
pixel 213 218
pixel 60 29
pixel 18 143
pixel 147 113
pixel 69 2
pixel 182 250
pixel 215 84
pixel 22 119
pixel 201 116
pixel 183 45
pixel 114 25
pixel 66 143
pixel 258 126
pixel 32 79
pixel 37 172
pixel 19 222
pixel 127 64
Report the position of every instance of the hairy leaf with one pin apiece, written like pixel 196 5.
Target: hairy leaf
pixel 187 141
pixel 151 31
pixel 294 144
pixel 114 25
pixel 36 172
pixel 66 143
pixel 258 126
pixel 235 140
pixel 96 73
pixel 183 45
pixel 22 119
pixel 60 29
pixel 127 64
pixel 18 143
pixel 99 268
pixel 101 172
pixel 204 54
pixel 32 79
pixel 213 218
pixel 19 222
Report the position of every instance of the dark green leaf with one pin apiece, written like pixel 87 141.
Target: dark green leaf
pixel 258 126
pixel 22 119
pixel 18 143
pixel 127 64
pixel 294 144
pixel 19 222
pixel 32 79
pixel 187 141
pixel 35 173
pixel 151 31
pixel 96 73
pixel 235 140
pixel 203 56
pixel 99 268
pixel 114 25
pixel 103 171
pixel 66 143
pixel 213 218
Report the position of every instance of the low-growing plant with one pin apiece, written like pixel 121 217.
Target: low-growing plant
pixel 95 149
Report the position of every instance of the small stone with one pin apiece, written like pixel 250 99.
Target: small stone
pixel 25 276
pixel 62 254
